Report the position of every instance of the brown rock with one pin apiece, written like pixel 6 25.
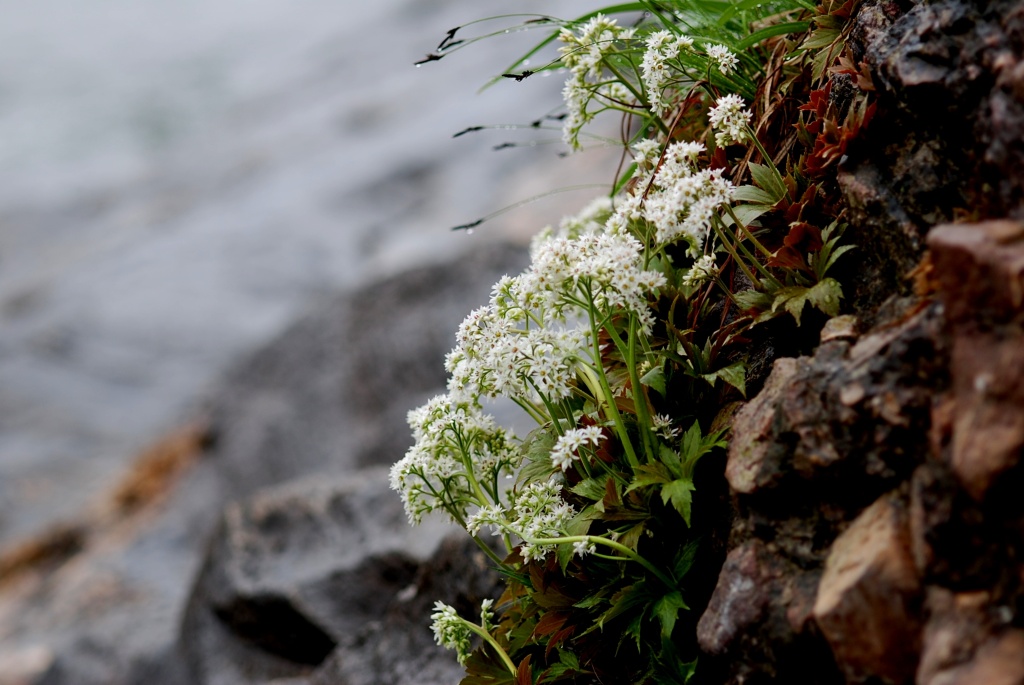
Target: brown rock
pixel 740 599
pixel 759 626
pixel 964 645
pixel 749 467
pixel 988 428
pixel 867 596
pixel 980 272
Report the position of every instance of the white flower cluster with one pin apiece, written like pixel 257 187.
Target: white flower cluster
pixel 662 423
pixel 730 120
pixel 566 449
pixel 702 271
pixel 451 631
pixel 540 512
pixel 583 54
pixel 456 445
pixel 723 57
pixel 683 200
pixel 604 268
pixel 494 357
pixel 662 47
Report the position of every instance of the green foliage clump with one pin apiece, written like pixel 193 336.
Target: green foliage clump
pixel 625 340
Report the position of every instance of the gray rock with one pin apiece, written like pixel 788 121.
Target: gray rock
pixel 309 402
pixel 324 566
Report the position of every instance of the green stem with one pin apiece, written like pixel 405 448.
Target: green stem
pixel 620 427
pixel 618 547
pixel 628 351
pixel 757 243
pixel 637 94
pixel 764 155
pixel 493 643
pixel 732 251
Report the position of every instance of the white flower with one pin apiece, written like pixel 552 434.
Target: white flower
pixel 702 271
pixel 582 548
pixel 583 54
pixel 493 515
pixel 723 57
pixel 451 631
pixel 566 449
pixel 730 120
pixel 683 201
pixel 663 425
pixel 657 72
pixel 540 513
pixel 450 437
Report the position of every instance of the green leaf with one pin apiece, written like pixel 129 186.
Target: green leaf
pixel 655 379
pixel 667 609
pixel 591 488
pixel 629 597
pixel 770 31
pixel 768 179
pixel 748 213
pixel 736 376
pixel 755 195
pixel 564 554
pixel 836 255
pixel 753 299
pixel 680 493
pixel 684 560
pixel 792 298
pixel 536 451
pixel 650 474
pixel 826 295
pixel 821 38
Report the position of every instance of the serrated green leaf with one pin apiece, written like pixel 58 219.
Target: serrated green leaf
pixel 691 443
pixel 736 376
pixel 753 299
pixel 591 488
pixel 667 610
pixel 792 298
pixel 655 379
pixel 768 180
pixel 684 560
pixel 826 295
pixel 670 458
pixel 650 474
pixel 680 494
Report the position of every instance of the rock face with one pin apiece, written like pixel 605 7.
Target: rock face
pixel 877 488
pixel 324 573
pixel 879 530
pixel 327 572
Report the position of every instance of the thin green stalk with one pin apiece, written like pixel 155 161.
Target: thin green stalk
pixel 764 155
pixel 757 243
pixel 732 251
pixel 636 93
pixel 620 427
pixel 627 553
pixel 628 351
pixel 493 643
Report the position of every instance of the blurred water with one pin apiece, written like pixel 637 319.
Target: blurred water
pixel 180 179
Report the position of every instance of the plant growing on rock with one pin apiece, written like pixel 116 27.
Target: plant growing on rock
pixel 625 338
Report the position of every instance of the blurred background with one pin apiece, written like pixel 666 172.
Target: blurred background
pixel 182 180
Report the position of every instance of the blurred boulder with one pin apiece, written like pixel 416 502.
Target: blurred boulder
pixel 326 397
